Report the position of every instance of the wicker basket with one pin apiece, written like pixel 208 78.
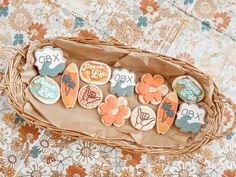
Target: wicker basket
pixel 14 89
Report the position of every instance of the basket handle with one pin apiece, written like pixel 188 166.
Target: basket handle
pixel 233 106
pixel 12 49
pixel 4 85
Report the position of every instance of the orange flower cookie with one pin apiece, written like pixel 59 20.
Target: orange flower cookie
pixel 114 111
pixel 151 89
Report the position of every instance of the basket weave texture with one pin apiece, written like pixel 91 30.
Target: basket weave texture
pixel 14 89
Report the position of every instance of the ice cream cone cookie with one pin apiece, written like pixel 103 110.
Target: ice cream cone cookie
pixel 143 118
pixel 151 89
pixel 70 85
pixel 94 72
pixel 114 111
pixel 166 112
pixel 90 96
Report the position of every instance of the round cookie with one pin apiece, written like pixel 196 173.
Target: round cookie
pixel 114 111
pixel 188 89
pixel 45 89
pixel 95 72
pixel 90 96
pixel 143 118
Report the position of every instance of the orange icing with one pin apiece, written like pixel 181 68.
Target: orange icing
pixel 148 82
pixel 95 72
pixel 107 111
pixel 74 77
pixel 163 120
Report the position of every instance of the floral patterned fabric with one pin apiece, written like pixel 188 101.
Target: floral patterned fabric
pixel 201 32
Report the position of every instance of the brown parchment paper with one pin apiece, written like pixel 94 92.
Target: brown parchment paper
pixel 88 121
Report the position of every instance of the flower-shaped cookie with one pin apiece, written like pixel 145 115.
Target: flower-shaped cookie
pixel 114 111
pixel 151 89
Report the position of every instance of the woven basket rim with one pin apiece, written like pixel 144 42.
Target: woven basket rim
pixel 14 88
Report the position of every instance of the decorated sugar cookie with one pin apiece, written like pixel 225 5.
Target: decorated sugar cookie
pixel 90 96
pixel 70 85
pixel 45 89
pixel 190 118
pixel 122 82
pixel 50 61
pixel 114 111
pixel 94 72
pixel 151 89
pixel 188 89
pixel 143 118
pixel 166 112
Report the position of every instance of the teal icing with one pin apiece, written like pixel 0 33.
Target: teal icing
pixel 188 95
pixel 191 92
pixel 46 71
pixel 183 124
pixel 44 88
pixel 127 91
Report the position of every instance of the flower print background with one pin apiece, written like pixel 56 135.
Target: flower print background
pixel 203 35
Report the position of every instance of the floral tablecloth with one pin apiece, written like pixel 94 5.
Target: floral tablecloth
pixel 201 32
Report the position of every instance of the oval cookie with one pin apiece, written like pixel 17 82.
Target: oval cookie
pixel 90 96
pixel 166 112
pixel 114 111
pixel 151 89
pixel 143 118
pixel 190 118
pixel 122 82
pixel 49 61
pixel 188 89
pixel 70 85
pixel 94 72
pixel 45 89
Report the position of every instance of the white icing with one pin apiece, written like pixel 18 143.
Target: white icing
pixel 196 113
pixel 124 75
pixel 48 53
